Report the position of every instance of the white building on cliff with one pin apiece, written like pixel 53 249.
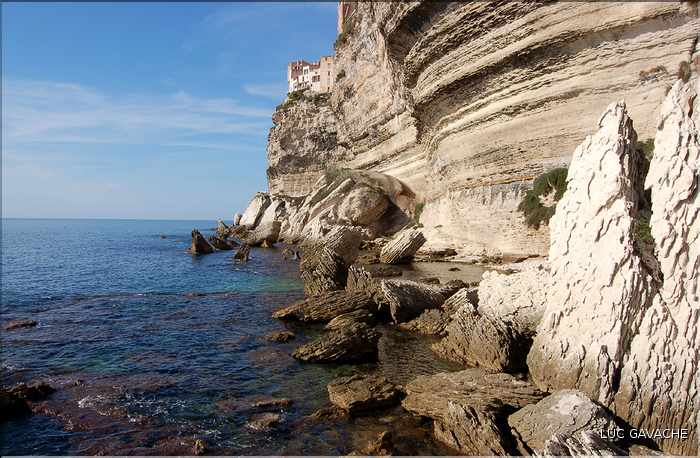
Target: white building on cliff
pixel 317 76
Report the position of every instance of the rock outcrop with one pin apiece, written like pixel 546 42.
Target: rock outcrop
pixel 354 343
pixel 361 315
pixel 518 299
pixel 325 307
pixel 479 340
pixel 611 328
pixel 564 413
pixel 586 443
pixel 360 394
pixel 598 290
pixel 658 387
pixel 256 208
pixel 200 245
pixel 469 408
pixel 407 299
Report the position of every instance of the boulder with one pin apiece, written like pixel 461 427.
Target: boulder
pixel 517 299
pixel 407 299
pixel 325 307
pixel 324 264
pixel 468 295
pixel 431 322
pixel 355 343
pixel 360 394
pixel 477 340
pixel 200 245
pixel 17 324
pixel 402 247
pixel 368 278
pixel 253 213
pixel 267 232
pixel 585 443
pixel 469 408
pixel 356 316
pixel 565 412
pixel 598 290
pixel 363 206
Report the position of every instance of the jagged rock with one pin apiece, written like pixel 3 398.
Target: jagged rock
pixel 243 253
pixel 564 412
pixel 34 391
pixel 280 336
pixel 368 278
pixel 355 343
pixel 518 299
pixel 222 229
pixel 324 265
pixel 408 299
pixel 363 393
pixel 479 340
pixel 264 421
pixel 469 408
pixel 220 243
pixel 253 213
pixel 200 245
pixel 356 316
pixel 659 382
pixel 598 288
pixel 265 232
pixel 325 306
pixel 403 247
pixel 17 324
pixel 468 295
pixel 585 443
pixel 431 322
pixel 237 219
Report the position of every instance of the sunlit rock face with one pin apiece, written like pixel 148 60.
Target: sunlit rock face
pixel 468 102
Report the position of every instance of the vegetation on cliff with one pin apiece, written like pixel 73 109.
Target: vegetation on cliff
pixel 539 203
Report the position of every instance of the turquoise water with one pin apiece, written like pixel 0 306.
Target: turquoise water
pixel 151 347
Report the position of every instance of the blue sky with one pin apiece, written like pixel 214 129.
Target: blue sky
pixel 140 110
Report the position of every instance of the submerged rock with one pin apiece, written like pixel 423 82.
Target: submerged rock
pixel 469 408
pixel 243 253
pixel 564 413
pixel 11 405
pixel 17 324
pixel 280 336
pixel 264 421
pixel 200 245
pixel 325 307
pixel 403 247
pixel 363 393
pixel 355 343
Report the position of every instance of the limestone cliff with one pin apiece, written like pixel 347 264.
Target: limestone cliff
pixel 468 102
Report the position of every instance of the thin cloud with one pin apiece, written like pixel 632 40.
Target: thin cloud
pixel 40 111
pixel 272 91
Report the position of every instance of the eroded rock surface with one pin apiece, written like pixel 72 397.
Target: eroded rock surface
pixel 354 343
pixel 325 306
pixel 200 245
pixel 402 247
pixel 408 299
pixel 359 394
pixel 469 408
pixel 565 413
pixel 598 290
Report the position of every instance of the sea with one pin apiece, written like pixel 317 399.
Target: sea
pixel 151 348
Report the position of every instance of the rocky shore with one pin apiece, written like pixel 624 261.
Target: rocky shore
pixel 556 351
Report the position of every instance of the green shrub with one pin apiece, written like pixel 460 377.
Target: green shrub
pixel 531 206
pixel 642 229
pixel 419 210
pixel 340 40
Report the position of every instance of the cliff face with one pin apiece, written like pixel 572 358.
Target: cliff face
pixel 468 102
